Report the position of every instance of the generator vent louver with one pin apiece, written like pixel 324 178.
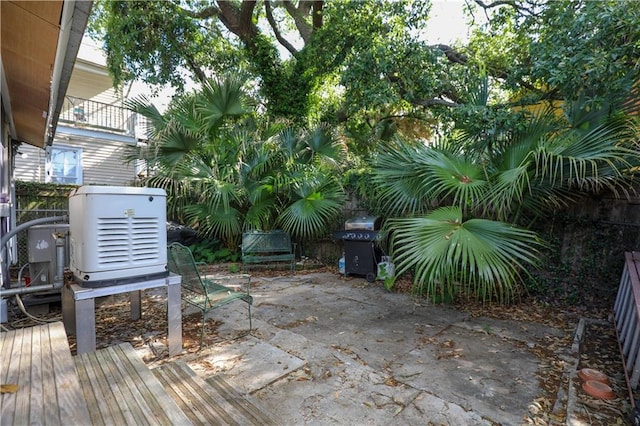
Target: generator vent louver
pixel 121 241
pixel 117 234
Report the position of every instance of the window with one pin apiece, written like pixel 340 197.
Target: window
pixel 64 165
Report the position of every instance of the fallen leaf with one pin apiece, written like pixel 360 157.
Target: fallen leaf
pixel 8 388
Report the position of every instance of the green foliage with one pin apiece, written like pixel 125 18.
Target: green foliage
pixel 285 85
pixel 359 181
pixel 451 256
pixel 42 196
pixel 155 41
pixel 587 47
pixel 469 244
pixel 225 172
pixel 211 251
pixel 562 49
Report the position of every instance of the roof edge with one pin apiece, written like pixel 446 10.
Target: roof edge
pixel 73 22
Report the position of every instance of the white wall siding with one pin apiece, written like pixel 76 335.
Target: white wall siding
pixel 29 164
pixel 102 144
pixel 93 85
pixel 102 164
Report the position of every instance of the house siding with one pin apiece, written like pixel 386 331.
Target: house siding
pixel 88 82
pixel 29 164
pixel 102 163
pixel 102 151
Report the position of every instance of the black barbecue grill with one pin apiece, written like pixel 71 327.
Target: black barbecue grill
pixel 361 255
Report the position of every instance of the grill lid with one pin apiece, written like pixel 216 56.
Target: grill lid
pixel 369 223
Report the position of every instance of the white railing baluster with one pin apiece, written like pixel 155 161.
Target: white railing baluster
pixel 627 317
pixel 626 310
pixel 633 382
pixel 631 347
pixel 623 289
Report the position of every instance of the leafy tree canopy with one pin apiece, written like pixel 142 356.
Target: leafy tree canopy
pixel 365 63
pixel 561 50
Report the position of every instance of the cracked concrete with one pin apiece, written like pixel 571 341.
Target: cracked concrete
pixel 332 350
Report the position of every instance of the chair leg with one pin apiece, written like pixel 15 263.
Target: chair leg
pixel 250 324
pixel 202 329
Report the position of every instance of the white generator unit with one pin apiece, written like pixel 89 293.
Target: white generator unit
pixel 117 235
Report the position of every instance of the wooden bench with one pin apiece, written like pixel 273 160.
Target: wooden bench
pixel 202 293
pixel 121 390
pixel 38 361
pixel 267 248
pixel 205 403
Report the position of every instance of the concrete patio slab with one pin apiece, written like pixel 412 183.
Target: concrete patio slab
pixel 248 364
pixel 330 350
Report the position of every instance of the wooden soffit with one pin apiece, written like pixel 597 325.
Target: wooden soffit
pixel 30 32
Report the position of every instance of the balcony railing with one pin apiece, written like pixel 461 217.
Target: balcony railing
pixel 85 113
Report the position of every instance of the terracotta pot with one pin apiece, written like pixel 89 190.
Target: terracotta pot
pixel 598 389
pixel 590 374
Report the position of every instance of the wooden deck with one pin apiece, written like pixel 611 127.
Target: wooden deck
pixel 38 360
pixel 111 386
pixel 121 390
pixel 209 404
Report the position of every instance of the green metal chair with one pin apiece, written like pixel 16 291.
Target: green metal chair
pixel 203 293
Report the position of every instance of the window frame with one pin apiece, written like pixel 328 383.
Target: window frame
pixel 49 176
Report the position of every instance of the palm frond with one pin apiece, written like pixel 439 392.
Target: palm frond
pixel 450 256
pixel 316 203
pixel 589 159
pixel 402 180
pixel 322 144
pixel 225 223
pixel 262 211
pixel 143 106
pixel 221 98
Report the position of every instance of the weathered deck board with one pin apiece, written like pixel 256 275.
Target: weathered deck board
pixel 120 389
pixel 108 387
pixel 39 361
pixel 205 404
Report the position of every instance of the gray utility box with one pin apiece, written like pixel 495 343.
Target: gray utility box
pixel 42 251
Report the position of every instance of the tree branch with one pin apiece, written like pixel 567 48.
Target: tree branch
pixel 299 15
pixel 460 58
pixel 238 20
pixel 276 30
pixel 200 75
pixel 317 17
pixel 512 3
pixel 422 102
pixel 452 55
pixel 205 13
pixel 246 11
pixel 435 102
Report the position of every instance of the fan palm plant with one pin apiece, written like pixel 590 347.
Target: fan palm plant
pixel 471 242
pixel 224 173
